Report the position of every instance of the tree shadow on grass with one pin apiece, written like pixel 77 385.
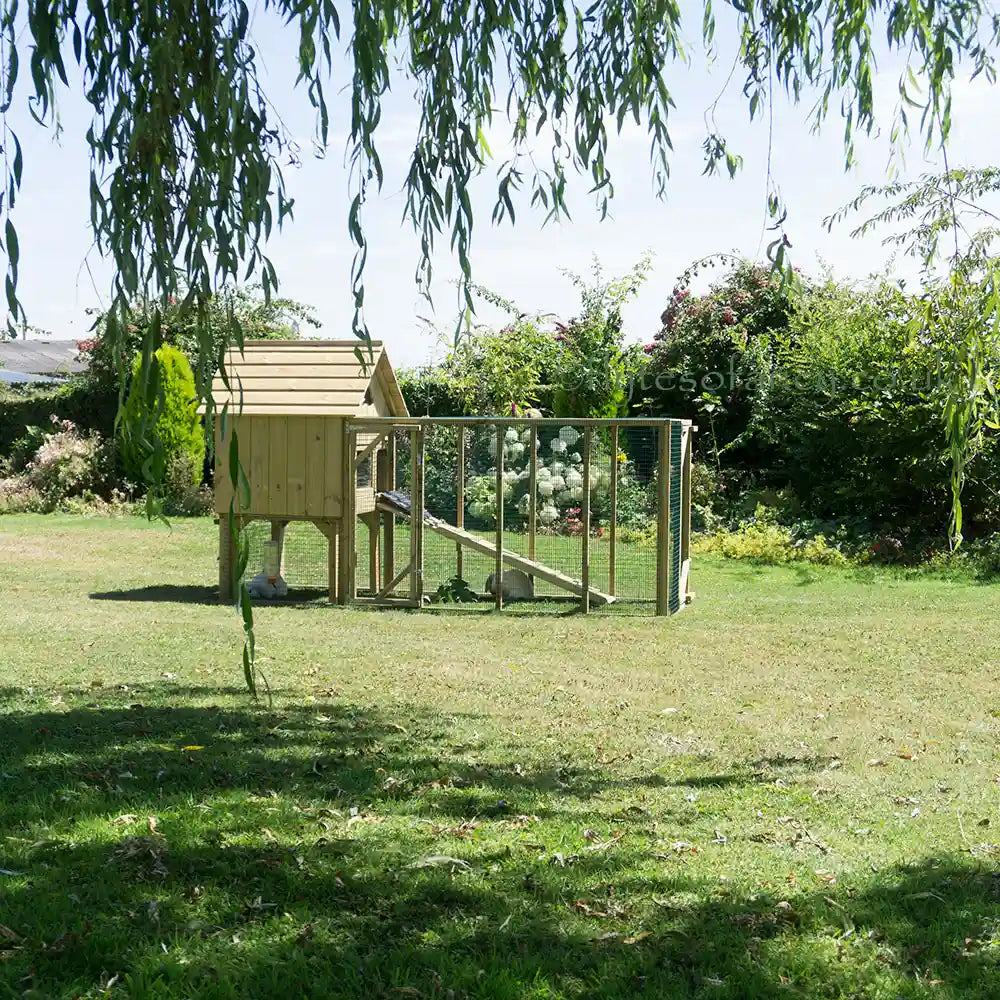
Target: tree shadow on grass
pixel 166 593
pixel 762 771
pixel 353 918
pixel 212 852
pixel 199 594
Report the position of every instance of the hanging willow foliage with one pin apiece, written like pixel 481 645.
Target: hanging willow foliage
pixel 186 153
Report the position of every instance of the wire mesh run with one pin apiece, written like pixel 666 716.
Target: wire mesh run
pixel 579 512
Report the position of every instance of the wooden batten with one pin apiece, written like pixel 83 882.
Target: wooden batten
pixel 498 560
pixel 663 522
pixel 613 527
pixel 460 497
pixel 585 524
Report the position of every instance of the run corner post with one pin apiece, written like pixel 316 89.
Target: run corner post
pixel 663 520
pixel 498 564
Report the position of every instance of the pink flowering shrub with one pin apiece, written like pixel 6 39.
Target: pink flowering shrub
pixel 66 464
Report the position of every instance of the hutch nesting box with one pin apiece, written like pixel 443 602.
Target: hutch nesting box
pixel 289 402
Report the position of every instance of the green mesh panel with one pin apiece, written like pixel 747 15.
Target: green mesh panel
pixel 675 515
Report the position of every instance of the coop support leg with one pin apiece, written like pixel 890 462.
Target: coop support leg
pixel 227 560
pixel 278 537
pixel 333 551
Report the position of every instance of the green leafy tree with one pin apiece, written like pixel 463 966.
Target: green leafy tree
pixel 169 393
pixel 595 368
pixel 713 357
pixel 944 224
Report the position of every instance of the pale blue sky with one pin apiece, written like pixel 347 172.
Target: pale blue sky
pixel 699 216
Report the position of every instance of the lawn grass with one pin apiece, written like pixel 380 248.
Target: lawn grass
pixel 789 790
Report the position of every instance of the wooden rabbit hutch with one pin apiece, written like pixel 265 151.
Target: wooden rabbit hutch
pixel 290 402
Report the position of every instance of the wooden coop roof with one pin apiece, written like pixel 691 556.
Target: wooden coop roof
pixel 309 378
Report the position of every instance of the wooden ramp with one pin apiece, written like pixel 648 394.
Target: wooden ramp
pixel 399 503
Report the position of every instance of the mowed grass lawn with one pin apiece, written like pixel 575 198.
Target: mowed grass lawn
pixel 789 790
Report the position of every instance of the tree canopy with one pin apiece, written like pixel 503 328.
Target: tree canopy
pixel 186 148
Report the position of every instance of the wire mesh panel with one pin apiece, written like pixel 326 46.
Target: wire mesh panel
pixel 543 511
pixel 304 556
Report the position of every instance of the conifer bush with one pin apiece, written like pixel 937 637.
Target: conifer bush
pixel 168 402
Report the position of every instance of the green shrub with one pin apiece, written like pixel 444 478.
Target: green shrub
pixel 88 407
pixel 160 424
pixel 184 495
pixel 763 539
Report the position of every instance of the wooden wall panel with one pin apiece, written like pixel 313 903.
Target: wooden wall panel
pixel 223 491
pixel 260 450
pixel 277 465
pixel 315 466
pixel 333 496
pixel 295 457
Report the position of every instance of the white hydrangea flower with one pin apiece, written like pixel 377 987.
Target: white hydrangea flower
pixel 516 449
pixel 548 514
pixel 569 435
pixel 576 458
pixel 557 483
pixel 576 493
pixel 510 476
pixel 558 468
pixel 511 436
pixel 543 473
pixel 573 479
pixel 558 446
pixel 545 487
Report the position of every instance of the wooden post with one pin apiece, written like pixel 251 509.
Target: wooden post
pixel 332 533
pixel 227 560
pixel 613 554
pixel 532 491
pixel 374 556
pixel 498 564
pixel 663 522
pixel 460 494
pixel 389 542
pixel 585 521
pixel 347 591
pixel 278 537
pixel 416 513
pixel 686 513
pixel 420 520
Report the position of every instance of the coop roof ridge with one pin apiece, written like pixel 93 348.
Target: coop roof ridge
pixel 315 342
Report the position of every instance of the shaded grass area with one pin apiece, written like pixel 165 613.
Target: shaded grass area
pixel 790 790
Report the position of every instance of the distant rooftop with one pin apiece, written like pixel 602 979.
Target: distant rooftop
pixel 38 360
